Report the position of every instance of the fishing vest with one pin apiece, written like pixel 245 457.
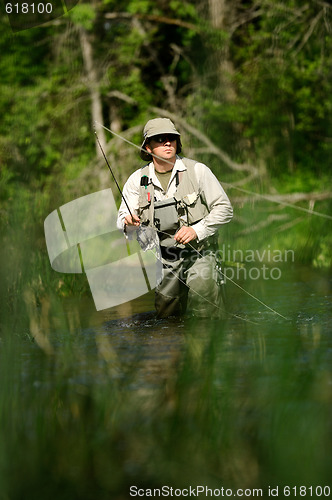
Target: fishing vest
pixel 185 208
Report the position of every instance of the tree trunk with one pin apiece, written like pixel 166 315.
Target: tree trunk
pixel 222 14
pixel 217 13
pixel 93 85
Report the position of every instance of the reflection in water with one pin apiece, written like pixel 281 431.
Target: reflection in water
pixel 123 398
pixel 142 351
pixel 147 349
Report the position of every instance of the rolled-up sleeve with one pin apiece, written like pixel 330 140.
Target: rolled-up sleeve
pixel 213 194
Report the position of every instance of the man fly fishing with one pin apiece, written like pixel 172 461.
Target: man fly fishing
pixel 185 202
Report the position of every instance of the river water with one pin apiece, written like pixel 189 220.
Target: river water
pixel 128 399
pixel 270 372
pixel 293 310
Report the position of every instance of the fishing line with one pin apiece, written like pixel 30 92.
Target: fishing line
pixel 285 203
pixel 266 197
pixel 204 298
pixel 135 145
pixel 230 185
pixel 234 282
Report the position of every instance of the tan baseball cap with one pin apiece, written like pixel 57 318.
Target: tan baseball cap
pixel 157 126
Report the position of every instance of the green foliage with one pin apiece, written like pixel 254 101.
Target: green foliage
pixel 140 7
pixel 284 84
pixel 76 419
pixel 260 89
pixel 183 10
pixel 279 112
pixel 83 15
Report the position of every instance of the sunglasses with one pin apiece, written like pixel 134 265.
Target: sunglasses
pixel 164 138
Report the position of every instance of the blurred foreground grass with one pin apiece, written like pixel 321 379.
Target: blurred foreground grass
pixel 232 407
pixel 89 407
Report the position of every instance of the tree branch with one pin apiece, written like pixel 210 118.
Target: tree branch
pixel 263 223
pixel 309 31
pixel 154 18
pixel 212 148
pixel 289 198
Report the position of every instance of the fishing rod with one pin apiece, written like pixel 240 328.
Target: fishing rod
pixel 124 199
pixel 291 205
pixel 110 169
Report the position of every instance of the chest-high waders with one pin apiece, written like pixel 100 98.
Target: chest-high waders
pixel 192 277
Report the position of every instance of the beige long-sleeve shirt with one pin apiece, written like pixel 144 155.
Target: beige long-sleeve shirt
pixel 220 209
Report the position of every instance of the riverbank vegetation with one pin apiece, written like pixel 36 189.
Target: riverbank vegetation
pixel 249 85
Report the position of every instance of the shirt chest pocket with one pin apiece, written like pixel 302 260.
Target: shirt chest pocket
pixel 144 199
pixel 166 215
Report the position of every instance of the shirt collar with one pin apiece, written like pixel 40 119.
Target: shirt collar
pixel 179 166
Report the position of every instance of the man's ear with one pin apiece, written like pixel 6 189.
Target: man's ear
pixel 147 147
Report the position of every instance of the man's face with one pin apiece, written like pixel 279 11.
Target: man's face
pixel 163 145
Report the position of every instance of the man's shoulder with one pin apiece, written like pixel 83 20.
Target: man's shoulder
pixel 194 167
pixel 188 162
pixel 141 169
pixel 144 169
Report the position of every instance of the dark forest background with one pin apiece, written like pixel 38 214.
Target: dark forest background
pixel 248 83
pixel 91 402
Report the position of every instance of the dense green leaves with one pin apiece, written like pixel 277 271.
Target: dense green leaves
pixel 253 76
pixel 284 83
pixel 260 83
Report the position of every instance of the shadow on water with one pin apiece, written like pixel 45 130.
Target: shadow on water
pixel 120 398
